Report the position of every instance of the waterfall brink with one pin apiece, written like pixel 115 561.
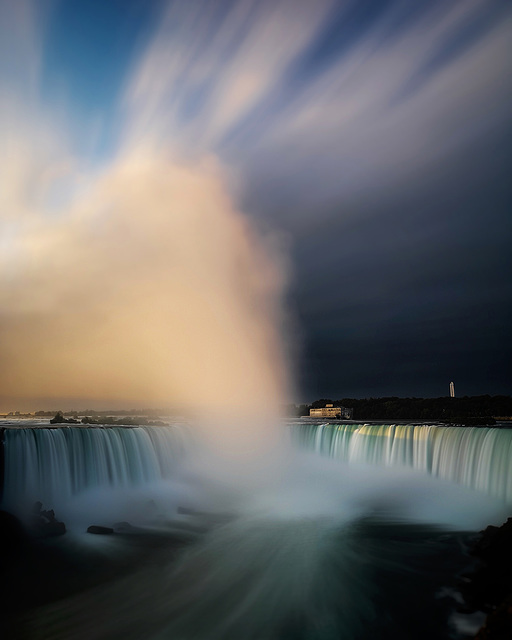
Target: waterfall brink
pixel 55 465
pixel 52 465
pixel 306 548
pixel 475 457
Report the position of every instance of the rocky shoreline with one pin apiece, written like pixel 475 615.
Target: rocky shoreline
pixel 489 587
pixel 41 563
pixel 39 571
pixel 132 421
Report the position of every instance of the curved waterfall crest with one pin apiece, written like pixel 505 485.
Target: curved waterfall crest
pixel 476 457
pixel 52 464
pixel 45 464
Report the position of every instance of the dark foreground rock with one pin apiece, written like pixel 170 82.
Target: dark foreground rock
pixel 60 419
pixel 498 625
pixel 13 540
pixel 50 572
pixel 50 529
pixel 45 524
pixel 489 587
pixel 133 421
pixel 94 528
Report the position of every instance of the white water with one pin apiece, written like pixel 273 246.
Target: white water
pixel 479 458
pixel 54 465
pixel 379 469
pixel 296 548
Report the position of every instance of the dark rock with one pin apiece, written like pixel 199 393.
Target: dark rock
pixel 489 587
pixel 44 523
pixel 50 529
pixel 494 543
pixel 12 538
pixel 60 419
pixel 49 515
pixel 498 625
pixel 94 528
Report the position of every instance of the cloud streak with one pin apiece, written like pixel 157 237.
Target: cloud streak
pixel 136 283
pixel 373 137
pixel 211 64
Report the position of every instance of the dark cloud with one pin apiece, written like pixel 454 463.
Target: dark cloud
pixel 398 206
pixel 375 137
pixel 414 291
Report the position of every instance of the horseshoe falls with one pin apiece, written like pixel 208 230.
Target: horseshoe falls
pixel 355 532
pixel 53 465
pixel 57 463
pixel 476 457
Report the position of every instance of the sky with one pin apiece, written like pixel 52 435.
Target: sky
pixel 259 198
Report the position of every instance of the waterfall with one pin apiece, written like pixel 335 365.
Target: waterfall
pixel 52 465
pixel 55 464
pixel 476 457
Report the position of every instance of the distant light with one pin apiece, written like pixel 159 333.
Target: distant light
pixel 452 390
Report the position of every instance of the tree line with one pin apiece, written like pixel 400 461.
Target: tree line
pixel 441 409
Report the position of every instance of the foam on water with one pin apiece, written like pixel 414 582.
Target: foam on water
pixel 294 546
pixel 410 475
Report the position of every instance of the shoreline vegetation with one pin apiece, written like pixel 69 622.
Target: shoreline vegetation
pixel 483 410
pixel 135 421
pixel 468 410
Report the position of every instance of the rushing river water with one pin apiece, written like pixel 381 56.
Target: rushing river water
pixel 363 541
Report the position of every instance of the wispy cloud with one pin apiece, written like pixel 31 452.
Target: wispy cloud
pixel 318 100
pixel 211 64
pixel 381 112
pixel 308 112
pixel 134 282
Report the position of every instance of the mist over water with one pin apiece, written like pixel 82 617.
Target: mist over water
pixel 289 547
pixel 136 280
pixel 152 290
pixel 308 548
pixel 156 288
pixel 140 282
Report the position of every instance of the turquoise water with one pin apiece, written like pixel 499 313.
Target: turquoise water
pixel 476 457
pixel 357 532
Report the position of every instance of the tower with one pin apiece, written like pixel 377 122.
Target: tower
pixel 452 390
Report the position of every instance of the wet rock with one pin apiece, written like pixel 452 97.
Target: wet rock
pixel 51 529
pixel 491 582
pixel 494 543
pixel 94 528
pixel 12 539
pixel 489 587
pixel 498 625
pixel 44 523
pixel 60 419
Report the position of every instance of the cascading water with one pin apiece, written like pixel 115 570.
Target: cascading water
pixel 52 465
pixel 478 458
pixel 355 547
